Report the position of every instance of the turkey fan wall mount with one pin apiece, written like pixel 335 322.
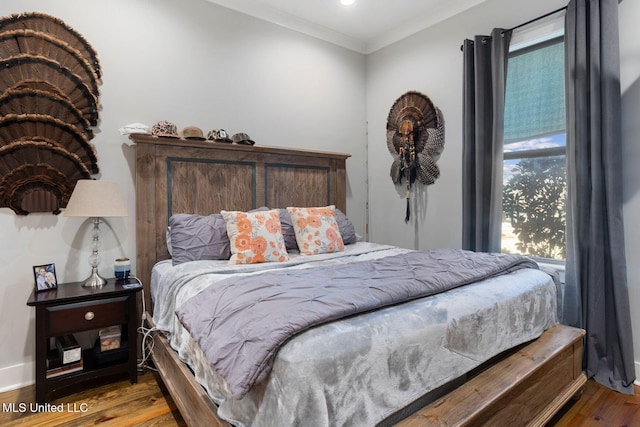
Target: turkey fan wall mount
pixel 49 78
pixel 415 139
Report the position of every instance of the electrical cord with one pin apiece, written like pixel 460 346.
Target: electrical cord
pixel 147 348
pixel 147 342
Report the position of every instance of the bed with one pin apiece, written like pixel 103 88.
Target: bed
pixel 360 369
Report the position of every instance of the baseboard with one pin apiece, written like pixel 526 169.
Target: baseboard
pixel 17 376
pixel 637 366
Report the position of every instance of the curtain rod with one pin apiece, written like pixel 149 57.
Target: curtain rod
pixel 531 21
pixel 537 19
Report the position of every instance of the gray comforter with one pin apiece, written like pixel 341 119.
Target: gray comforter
pixel 240 323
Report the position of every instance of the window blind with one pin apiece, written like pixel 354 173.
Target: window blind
pixel 535 99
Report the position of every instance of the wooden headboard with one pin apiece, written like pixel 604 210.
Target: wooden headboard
pixel 189 176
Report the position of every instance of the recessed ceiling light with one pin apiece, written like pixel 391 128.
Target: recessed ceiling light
pixel 347 2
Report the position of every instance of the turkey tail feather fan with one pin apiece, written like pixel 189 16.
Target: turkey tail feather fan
pixel 19 153
pixel 37 188
pixel 33 101
pixel 412 105
pixel 14 127
pixel 25 68
pixel 17 42
pixel 56 28
pixel 49 90
pixel 415 139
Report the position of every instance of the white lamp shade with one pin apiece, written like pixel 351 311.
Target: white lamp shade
pixel 96 198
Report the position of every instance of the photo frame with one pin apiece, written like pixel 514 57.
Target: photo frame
pixel 45 277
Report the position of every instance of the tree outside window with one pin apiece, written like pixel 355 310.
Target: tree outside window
pixel 534 175
pixel 534 207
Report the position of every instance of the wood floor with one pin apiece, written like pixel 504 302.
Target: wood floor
pixel 147 403
pixel 120 403
pixel 599 406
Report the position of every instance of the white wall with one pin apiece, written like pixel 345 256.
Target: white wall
pixel 431 62
pixel 192 63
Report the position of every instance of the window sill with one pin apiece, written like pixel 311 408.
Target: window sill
pixel 557 267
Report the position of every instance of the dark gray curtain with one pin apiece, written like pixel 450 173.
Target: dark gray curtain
pixel 596 295
pixel 485 74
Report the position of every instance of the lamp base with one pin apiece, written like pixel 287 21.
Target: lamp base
pixel 94 280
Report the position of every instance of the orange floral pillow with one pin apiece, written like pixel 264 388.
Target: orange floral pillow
pixel 316 230
pixel 255 237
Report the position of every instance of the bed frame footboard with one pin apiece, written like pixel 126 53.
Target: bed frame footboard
pixel 527 388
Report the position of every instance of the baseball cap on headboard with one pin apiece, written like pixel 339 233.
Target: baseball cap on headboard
pixel 242 138
pixel 192 132
pixel 165 128
pixel 219 135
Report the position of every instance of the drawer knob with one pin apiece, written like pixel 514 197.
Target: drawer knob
pixel 89 315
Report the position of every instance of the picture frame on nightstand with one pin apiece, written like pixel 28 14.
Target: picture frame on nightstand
pixel 45 277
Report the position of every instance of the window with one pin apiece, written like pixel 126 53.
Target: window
pixel 534 184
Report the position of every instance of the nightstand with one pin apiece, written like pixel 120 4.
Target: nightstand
pixel 72 308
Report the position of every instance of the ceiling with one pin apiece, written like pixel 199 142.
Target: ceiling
pixel 365 26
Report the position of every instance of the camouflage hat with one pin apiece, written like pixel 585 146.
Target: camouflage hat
pixel 218 135
pixel 165 128
pixel 242 138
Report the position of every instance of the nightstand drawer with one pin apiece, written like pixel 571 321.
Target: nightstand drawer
pixel 68 318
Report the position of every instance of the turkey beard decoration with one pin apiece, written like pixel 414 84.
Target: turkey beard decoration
pixel 415 138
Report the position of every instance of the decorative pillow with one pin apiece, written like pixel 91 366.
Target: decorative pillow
pixel 316 230
pixel 347 230
pixel 288 232
pixel 197 237
pixel 255 237
pixel 193 237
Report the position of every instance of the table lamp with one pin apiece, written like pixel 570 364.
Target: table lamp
pixel 95 199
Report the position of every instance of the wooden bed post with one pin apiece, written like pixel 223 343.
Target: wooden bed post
pixel 145 218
